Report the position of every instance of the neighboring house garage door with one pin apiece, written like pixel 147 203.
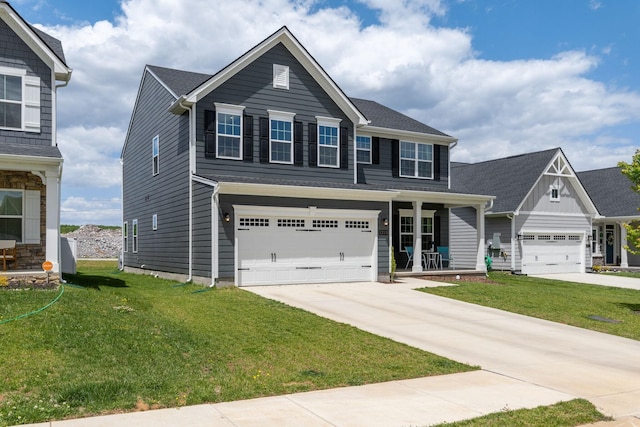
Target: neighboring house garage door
pixel 552 253
pixel 296 245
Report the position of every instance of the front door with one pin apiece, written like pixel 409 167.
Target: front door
pixel 609 244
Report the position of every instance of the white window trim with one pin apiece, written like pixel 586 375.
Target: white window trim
pixel 328 122
pixel 236 110
pixel 30 102
pixel 125 236
pixel 282 116
pixel 155 141
pixel 134 233
pixel 154 222
pixel 415 160
pixel 362 149
pixel 553 188
pixel 426 213
pixel 280 76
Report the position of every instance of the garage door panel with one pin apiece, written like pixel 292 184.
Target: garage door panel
pixel 280 250
pixel 552 253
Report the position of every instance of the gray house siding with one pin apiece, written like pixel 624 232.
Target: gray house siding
pixel 165 194
pixel 226 239
pixel 463 248
pixel 16 54
pixel 252 87
pixel 539 199
pixel 382 173
pixel 502 226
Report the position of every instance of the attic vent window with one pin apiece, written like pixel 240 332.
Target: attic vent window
pixel 280 76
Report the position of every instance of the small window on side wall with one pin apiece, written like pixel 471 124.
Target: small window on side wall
pixel 154 222
pixel 125 236
pixel 554 193
pixel 134 225
pixel 155 153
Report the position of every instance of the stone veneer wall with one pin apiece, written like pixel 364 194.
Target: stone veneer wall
pixel 31 256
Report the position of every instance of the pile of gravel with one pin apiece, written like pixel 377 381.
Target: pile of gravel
pixel 95 242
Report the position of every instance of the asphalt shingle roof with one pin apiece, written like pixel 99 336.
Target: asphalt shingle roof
pixel 30 150
pixel 179 81
pixel 54 44
pixel 509 179
pixel 611 192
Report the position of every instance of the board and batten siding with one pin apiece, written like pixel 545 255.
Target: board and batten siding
pixel 539 199
pixel 382 173
pixel 165 194
pixel 226 239
pixel 17 54
pixel 463 240
pixel 252 87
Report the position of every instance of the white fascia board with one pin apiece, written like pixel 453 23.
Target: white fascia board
pixel 405 134
pixel 37 45
pixel 309 212
pixel 300 53
pixel 625 219
pixel 250 189
pixel 28 163
pixel 452 199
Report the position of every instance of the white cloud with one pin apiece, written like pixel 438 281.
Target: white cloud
pixel 495 108
pixel 79 210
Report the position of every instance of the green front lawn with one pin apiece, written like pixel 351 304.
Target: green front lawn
pixel 120 342
pixel 564 302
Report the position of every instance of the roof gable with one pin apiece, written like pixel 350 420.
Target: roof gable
pixel 611 192
pixel 284 36
pixel 48 48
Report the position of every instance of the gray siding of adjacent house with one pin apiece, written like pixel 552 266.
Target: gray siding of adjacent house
pixel 502 226
pixel 16 54
pixel 167 193
pixel 539 199
pixel 252 88
pixel 226 237
pixel 462 234
pixel 382 172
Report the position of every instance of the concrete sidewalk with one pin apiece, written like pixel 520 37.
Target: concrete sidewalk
pixel 602 279
pixel 417 402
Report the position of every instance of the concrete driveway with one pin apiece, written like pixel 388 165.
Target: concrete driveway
pixel 602 368
pixel 603 279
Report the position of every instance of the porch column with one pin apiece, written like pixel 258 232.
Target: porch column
pixel 417 237
pixel 624 262
pixel 480 265
pixel 52 245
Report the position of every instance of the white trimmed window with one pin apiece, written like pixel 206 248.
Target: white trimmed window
pixel 229 131
pixel 19 100
pixel 363 149
pixel 134 225
pixel 416 160
pixel 328 142
pixel 280 76
pixel 20 215
pixel 406 229
pixel 280 137
pixel 155 154
pixel 554 193
pixel 125 236
pixel 154 222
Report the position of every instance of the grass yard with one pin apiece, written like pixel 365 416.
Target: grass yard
pixel 121 342
pixel 564 414
pixel 564 302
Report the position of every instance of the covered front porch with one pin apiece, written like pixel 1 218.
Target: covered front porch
pixel 608 241
pixel 421 238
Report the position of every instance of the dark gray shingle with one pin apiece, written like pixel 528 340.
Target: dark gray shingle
pixel 179 81
pixel 30 150
pixel 611 192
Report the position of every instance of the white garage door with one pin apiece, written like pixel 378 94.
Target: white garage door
pixel 552 253
pixel 287 246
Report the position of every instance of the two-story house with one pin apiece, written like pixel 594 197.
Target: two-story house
pixel 32 68
pixel 267 173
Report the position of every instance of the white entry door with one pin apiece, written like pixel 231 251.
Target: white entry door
pixel 552 253
pixel 296 245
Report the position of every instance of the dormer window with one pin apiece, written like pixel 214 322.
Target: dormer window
pixel 280 76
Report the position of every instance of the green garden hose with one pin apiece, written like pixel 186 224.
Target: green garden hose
pixel 22 316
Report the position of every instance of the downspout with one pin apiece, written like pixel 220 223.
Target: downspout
pixel 451 147
pixel 513 242
pixel 121 263
pixel 215 203
pixel 190 278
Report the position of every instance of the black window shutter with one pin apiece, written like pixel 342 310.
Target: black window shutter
pixel 313 144
pixel 436 162
pixel 247 138
pixel 375 150
pixel 297 144
pixel 209 133
pixel 344 148
pixel 395 157
pixel 264 140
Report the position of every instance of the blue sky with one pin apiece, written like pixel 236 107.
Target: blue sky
pixel 505 77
